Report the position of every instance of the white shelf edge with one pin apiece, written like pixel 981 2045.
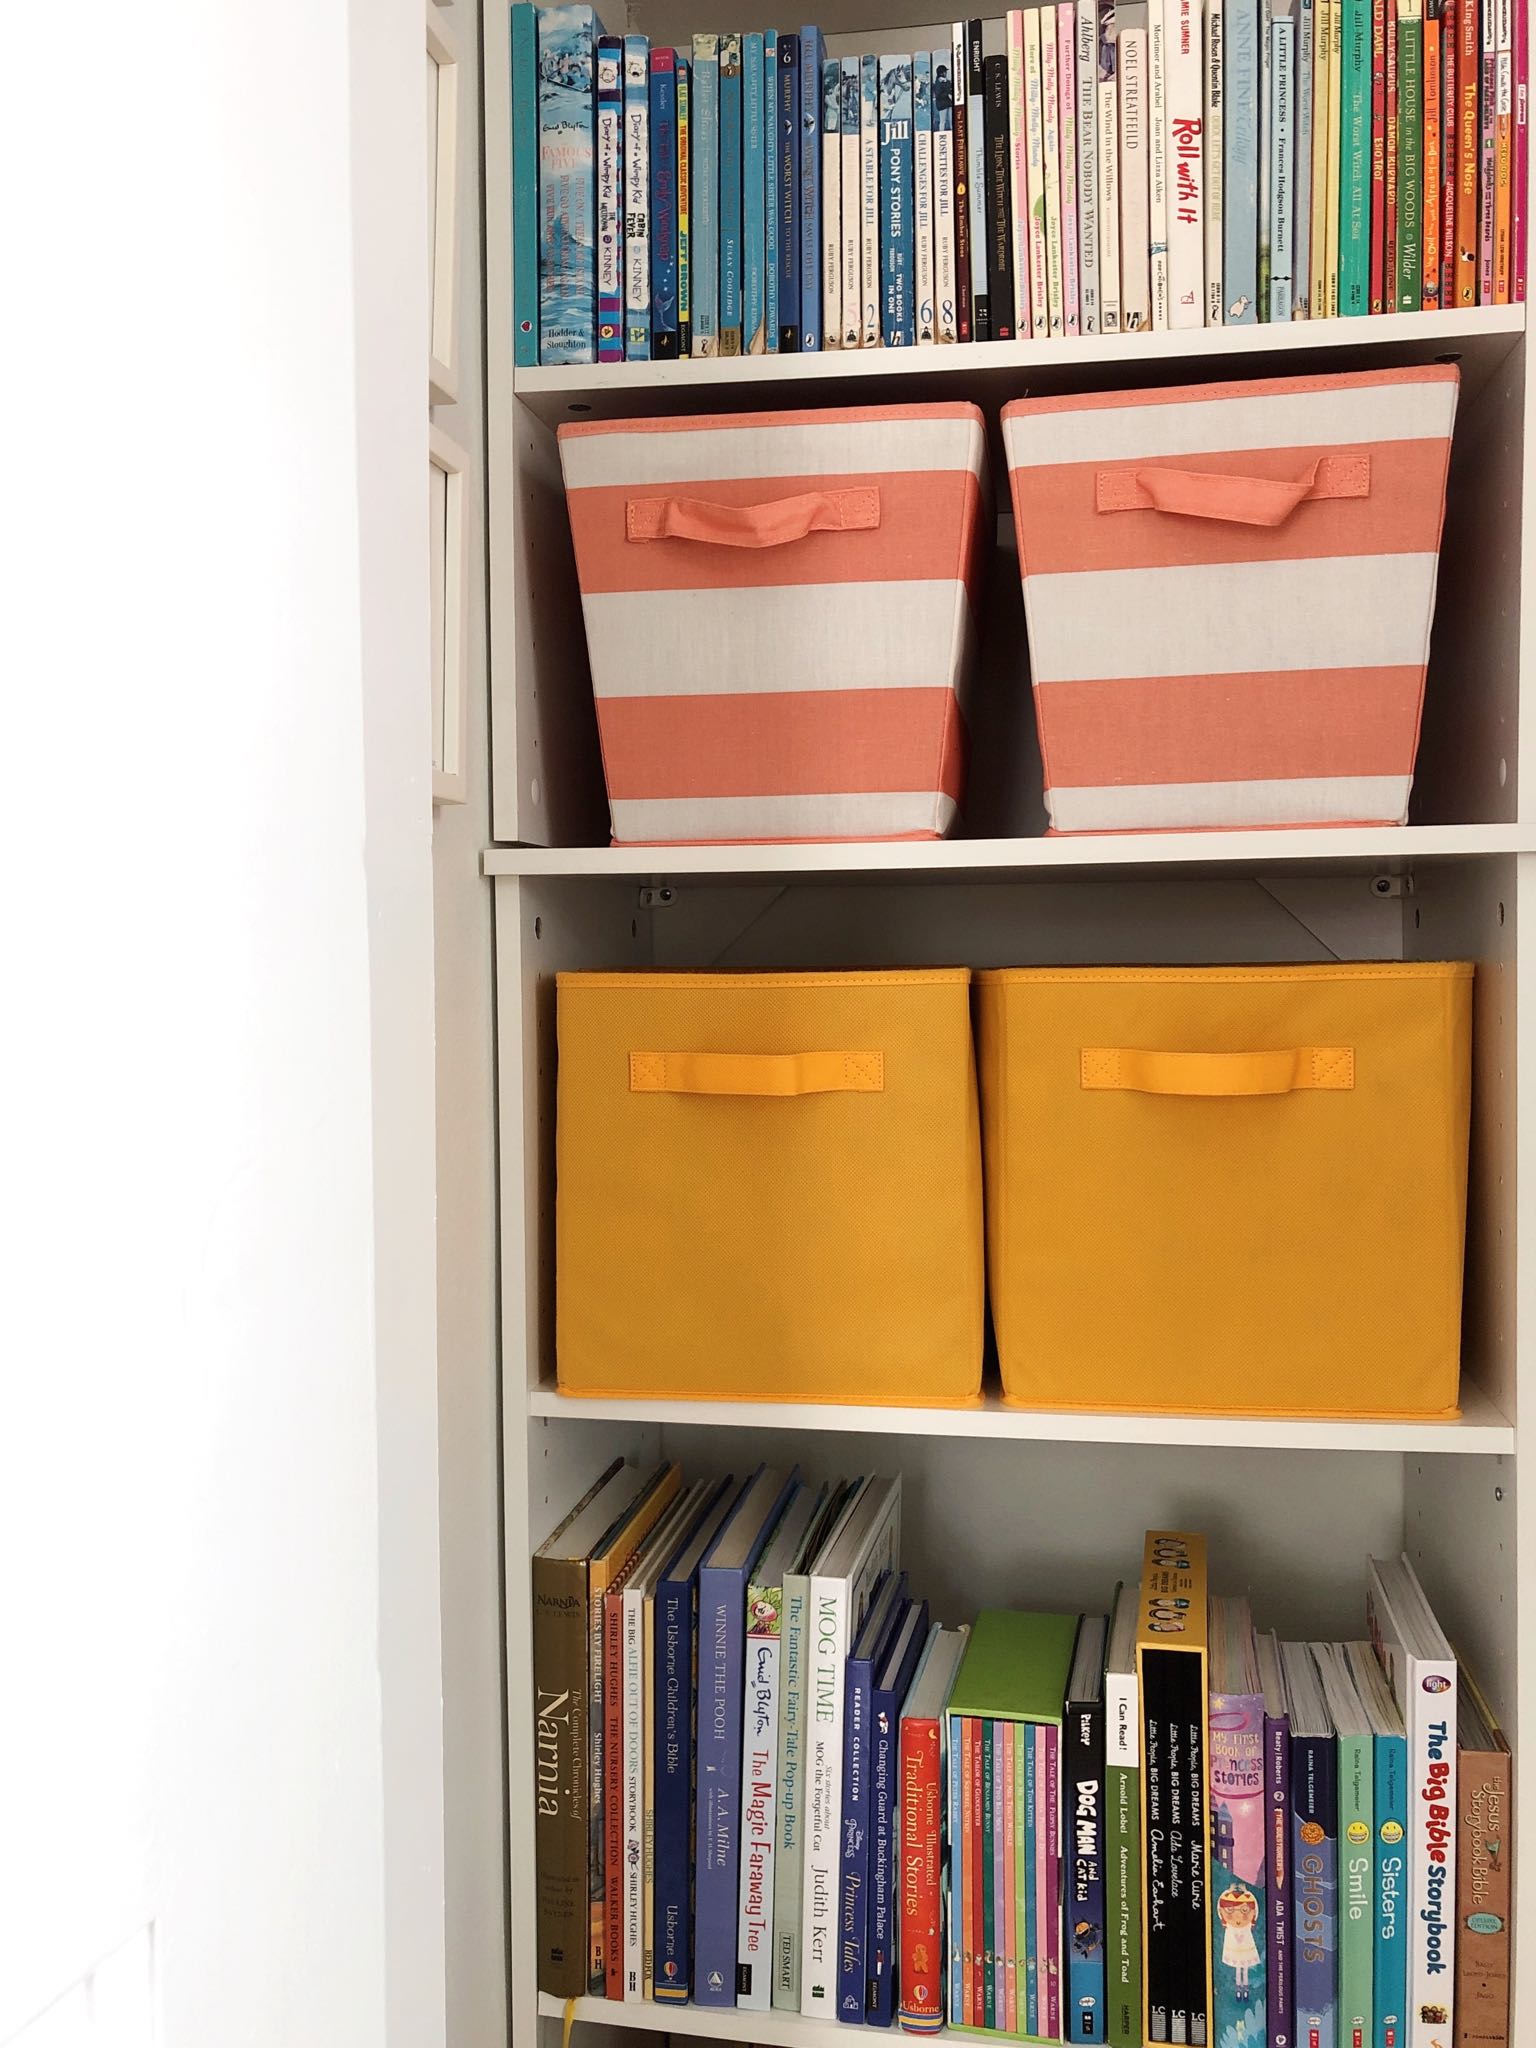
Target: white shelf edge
pixel 975 358
pixel 973 856
pixel 1482 1430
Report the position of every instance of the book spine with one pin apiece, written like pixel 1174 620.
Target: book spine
pixel 1483 1897
pixel 672 1921
pixel 869 201
pixel 1390 196
pixel 922 198
pixel 1301 204
pixel 1034 1858
pixel 525 184
pixel 1389 1877
pixel 1357 1914
pixel 706 195
pixel 770 192
pixel 1185 164
pixel 1157 157
pixel 1135 227
pixel 631 1943
pixel 560 1762
pixel 1090 235
pixel 1335 147
pixel 832 313
pixel 647 1800
pixel 1381 294
pixel 1034 170
pixel 811 58
pixel 1410 130
pixel 1066 130
pixel 789 1862
pixel 1282 82
pixel 1504 147
pixel 1000 297
pixel 717 1834
pixel 829 1631
pixel 851 196
pixel 1107 143
pixel 637 199
pixel 961 175
pixel 1007 1734
pixel 1314 1883
pixel 975 1856
pixel 1450 40
pixel 1018 161
pixel 989 1898
pixel 1086 1990
pixel 597 1731
pixel 897 321
pixel 567 185
pixel 1050 144
pixel 1355 191
pixel 684 203
pixel 946 307
pixel 1429 284
pixel 1519 205
pixel 1240 257
pixel 1322 64
pixel 614 1805
pixel 1430 1714
pixel 954 1907
pixel 1122 1906
pixel 1266 144
pixel 1279 1997
pixel 759 1817
pixel 1175 1925
pixel 976 152
pixel 730 201
pixel 1053 1879
pixel 754 225
pixel 788 189
pixel 999 1874
pixel 610 200
pixel 1468 73
pixel 853 1871
pixel 880 1955
pixel 664 329
pixel 1215 159
pixel 960 1899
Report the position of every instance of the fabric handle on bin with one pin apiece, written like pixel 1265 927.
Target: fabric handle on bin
pixel 1129 1068
pixel 1241 500
pixel 772 524
pixel 756 1073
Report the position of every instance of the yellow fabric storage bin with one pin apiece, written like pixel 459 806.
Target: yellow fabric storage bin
pixel 768 1187
pixel 1235 1190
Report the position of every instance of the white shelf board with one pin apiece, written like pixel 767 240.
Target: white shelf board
pixel 1480 335
pixel 1481 1428
pixel 1361 847
pixel 713 2023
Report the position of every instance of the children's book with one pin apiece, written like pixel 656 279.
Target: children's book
pixel 1389 190
pixel 812 58
pixel 957 74
pixel 924 307
pixel 664 326
pixel 976 151
pixel 637 199
pixel 1519 198
pixel 1107 138
pixel 1487 167
pixel 1239 1916
pixel 1429 285
pixel 1066 137
pixel 1450 119
pixel 869 202
pixel 1389 1854
pixel 897 325
pixel 1301 202
pixel 851 199
pixel 1122 1800
pixel 770 192
pixel 1383 289
pixel 788 188
pixel 1410 166
pixel 1355 141
pixel 1034 167
pixel 893 1678
pixel 1356 1850
pixel 1215 158
pixel 1171 1671
pixel 1421 1669
pixel 1482 1871
pixel 1503 146
pixel 832 315
pixel 567 185
pixel 610 199
pixel 1135 226
pixel 1324 17
pixel 1314 1846
pixel 1018 169
pixel 705 247
pixel 525 183
pixel 684 202
pixel 754 218
pixel 1279 1995
pixel 1157 157
pixel 1050 124
pixel 1282 101
pixel 730 195
pixel 1185 147
pixel 1245 24
pixel 922 1805
pixel 944 197
pixel 1086 63
pixel 1084 1768
pixel 1336 147
pixel 887 1611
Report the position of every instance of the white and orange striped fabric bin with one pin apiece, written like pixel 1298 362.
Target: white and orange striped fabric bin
pixel 781 618
pixel 1229 592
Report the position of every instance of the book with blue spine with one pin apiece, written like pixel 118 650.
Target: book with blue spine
pixel 1239 1889
pixel 787 189
pixel 1301 183
pixel 893 1679
pixel 898 325
pixel 1314 1846
pixel 812 57
pixel 525 184
pixel 1083 1768
pixel 1282 157
pixel 705 246
pixel 610 199
pixel 770 191
pixel 923 294
pixel 885 1611
pixel 684 202
pixel 664 325
pixel 637 199
pixel 723 1575
pixel 567 185
pixel 1244 23
pixel 730 195
pixel 1279 1994
pixel 754 226
pixel 676 1658
pixel 1389 1873
pixel 831 203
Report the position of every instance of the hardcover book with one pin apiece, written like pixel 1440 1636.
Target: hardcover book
pixel 898 325
pixel 1389 1860
pixel 730 202
pixel 1482 1872
pixel 1239 1934
pixel 788 189
pixel 664 319
pixel 905 1647
pixel 1240 255
pixel 1083 1747
pixel 812 58
pixel 567 194
pixel 525 184
pixel 637 199
pixel 851 189
pixel 704 244
pixel 831 204
pixel 610 199
pixel 869 202
pixel 1314 1847
pixel 922 196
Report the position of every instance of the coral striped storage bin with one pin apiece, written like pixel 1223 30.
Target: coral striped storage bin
pixel 780 613
pixel 1229 592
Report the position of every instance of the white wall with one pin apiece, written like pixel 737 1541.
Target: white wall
pixel 221 1704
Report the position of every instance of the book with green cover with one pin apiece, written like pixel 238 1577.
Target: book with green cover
pixel 1357 1835
pixel 1355 167
pixel 1122 1797
pixel 1410 131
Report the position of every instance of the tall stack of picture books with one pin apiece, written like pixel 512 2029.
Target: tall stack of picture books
pixel 1076 167
pixel 766 1777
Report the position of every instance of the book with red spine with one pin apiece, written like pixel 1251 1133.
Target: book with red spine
pixel 921 1944
pixel 1379 273
pixel 1503 146
pixel 975 1876
pixel 613 1778
pixel 1450 32
pixel 1468 72
pixel 1487 151
pixel 1430 291
pixel 960 1896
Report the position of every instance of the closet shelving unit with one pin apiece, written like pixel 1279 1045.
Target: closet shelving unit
pixel 1004 1506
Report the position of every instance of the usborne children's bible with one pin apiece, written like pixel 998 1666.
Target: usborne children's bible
pixel 1171 1673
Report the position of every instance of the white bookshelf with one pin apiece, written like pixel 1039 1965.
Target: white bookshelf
pixel 1012 1506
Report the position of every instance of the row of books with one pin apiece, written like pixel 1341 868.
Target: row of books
pixel 1080 166
pixel 766 1777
